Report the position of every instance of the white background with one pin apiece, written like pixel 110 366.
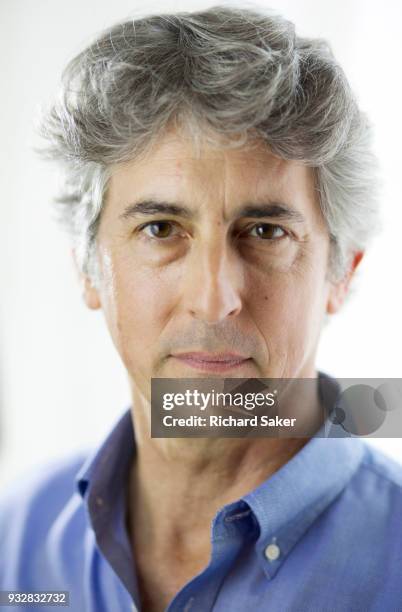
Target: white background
pixel 61 382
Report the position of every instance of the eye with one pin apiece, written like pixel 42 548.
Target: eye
pixel 157 229
pixel 267 231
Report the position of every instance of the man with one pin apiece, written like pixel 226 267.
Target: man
pixel 220 196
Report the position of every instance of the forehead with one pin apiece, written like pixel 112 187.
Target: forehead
pixel 217 175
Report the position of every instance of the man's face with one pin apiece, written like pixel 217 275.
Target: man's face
pixel 215 277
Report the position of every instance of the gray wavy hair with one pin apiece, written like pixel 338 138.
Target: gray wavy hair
pixel 223 75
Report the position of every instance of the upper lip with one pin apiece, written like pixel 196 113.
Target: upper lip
pixel 202 356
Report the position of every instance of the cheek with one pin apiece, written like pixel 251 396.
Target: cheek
pixel 288 309
pixel 138 302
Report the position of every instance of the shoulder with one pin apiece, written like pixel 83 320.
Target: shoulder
pixel 377 488
pixel 369 509
pixel 382 468
pixel 378 479
pixel 32 509
pixel 362 531
pixel 53 482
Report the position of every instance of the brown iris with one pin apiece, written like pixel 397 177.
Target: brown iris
pixel 267 230
pixel 160 233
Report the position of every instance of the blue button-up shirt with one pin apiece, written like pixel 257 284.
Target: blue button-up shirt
pixel 322 534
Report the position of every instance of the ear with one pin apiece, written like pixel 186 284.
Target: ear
pixel 89 292
pixel 339 290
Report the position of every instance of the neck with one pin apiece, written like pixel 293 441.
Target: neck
pixel 177 485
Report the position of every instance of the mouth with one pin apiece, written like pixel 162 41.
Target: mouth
pixel 208 362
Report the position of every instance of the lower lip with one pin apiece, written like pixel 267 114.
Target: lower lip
pixel 212 366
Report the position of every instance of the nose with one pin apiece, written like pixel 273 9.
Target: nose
pixel 213 282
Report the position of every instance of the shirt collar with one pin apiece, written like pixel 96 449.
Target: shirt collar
pixel 102 482
pixel 290 500
pixel 108 461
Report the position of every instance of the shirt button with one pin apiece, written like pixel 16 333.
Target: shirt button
pixel 272 552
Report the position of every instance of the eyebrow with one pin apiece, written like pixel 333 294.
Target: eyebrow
pixel 150 207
